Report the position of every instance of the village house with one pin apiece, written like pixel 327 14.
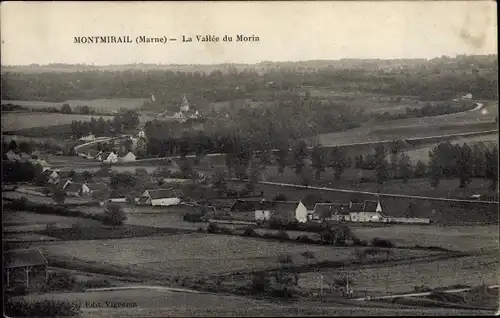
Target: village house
pixel 265 210
pixel 35 154
pixel 12 156
pixel 109 157
pixel 73 189
pixel 44 164
pixel 129 157
pixel 160 197
pixel 141 134
pixel 63 183
pixel 91 189
pixel 369 211
pixel 89 137
pixel 51 176
pixel 331 212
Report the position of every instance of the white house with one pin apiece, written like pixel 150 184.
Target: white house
pixel 89 137
pixel 160 197
pixel 110 157
pixel 466 96
pixel 306 208
pixel 127 158
pixel 289 211
pixel 51 176
pixel 73 189
pixel 12 156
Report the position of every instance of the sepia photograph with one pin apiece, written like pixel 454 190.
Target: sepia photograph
pixel 237 158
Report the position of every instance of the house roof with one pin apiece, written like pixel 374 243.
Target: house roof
pixel 106 154
pixel 48 172
pixel 73 187
pixel 284 207
pixel 244 206
pixel 97 186
pixel 23 258
pixel 64 174
pixel 356 207
pixel 370 206
pixel 94 153
pixel 143 199
pixel 328 209
pixel 36 153
pixel 162 193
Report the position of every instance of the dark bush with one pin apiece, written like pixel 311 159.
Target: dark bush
pixel 282 235
pixel 280 197
pixel 260 283
pixel 114 215
pixel 378 242
pixel 61 281
pixel 46 308
pixel 250 231
pixel 213 228
pixel 225 230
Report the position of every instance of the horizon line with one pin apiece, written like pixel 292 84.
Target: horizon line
pixel 250 63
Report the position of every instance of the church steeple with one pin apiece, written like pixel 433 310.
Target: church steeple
pixel 184 104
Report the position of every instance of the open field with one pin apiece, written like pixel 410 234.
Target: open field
pixel 17 121
pixel 103 104
pixel 457 238
pixel 197 254
pixel 42 199
pixel 412 127
pixel 163 303
pixel 15 221
pixel 401 278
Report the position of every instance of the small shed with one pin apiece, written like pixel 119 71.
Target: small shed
pixel 27 260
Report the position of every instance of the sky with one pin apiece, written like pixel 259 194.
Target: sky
pixel 43 32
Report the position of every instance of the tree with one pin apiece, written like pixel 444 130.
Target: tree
pixel 282 156
pixel 306 176
pixel 58 195
pixel 299 153
pixel 66 109
pixel 464 165
pixel 219 182
pixel 381 165
pixel 318 158
pixel 114 215
pixel 404 167
pixel 40 179
pixel 128 145
pixel 254 175
pixel 25 147
pixel 338 162
pixel 186 168
pixel 280 197
pixel 412 208
pixel 260 283
pixel 492 167
pixel 478 161
pixel 86 175
pixel 308 255
pixel 420 169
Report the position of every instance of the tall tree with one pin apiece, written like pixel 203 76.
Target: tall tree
pixel 435 169
pixel 300 154
pixel 478 160
pixel 381 164
pixel 404 167
pixel 282 157
pixel 464 166
pixel 337 161
pixel 420 169
pixel 318 158
pixel 219 182
pixel 492 167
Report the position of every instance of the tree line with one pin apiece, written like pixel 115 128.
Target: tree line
pixel 125 120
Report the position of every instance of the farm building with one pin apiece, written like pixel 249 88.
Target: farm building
pixel 25 157
pixel 93 188
pixel 12 156
pixel 110 157
pixel 129 157
pixel 289 211
pixel 63 183
pixel 141 134
pixel 73 189
pixel 89 137
pixel 51 176
pixel 265 210
pixel 369 211
pixel 160 197
pixel 331 211
pixel 35 154
pixel 28 266
pixel 45 165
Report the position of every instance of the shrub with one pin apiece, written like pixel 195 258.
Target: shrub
pixel 249 231
pixel 213 228
pixel 226 230
pixel 114 215
pixel 200 230
pixel 378 242
pixel 282 235
pixel 280 197
pixel 260 283
pixel 46 308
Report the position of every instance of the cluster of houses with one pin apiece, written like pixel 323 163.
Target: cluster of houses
pixel 184 113
pixel 108 156
pixel 368 211
pixel 33 158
